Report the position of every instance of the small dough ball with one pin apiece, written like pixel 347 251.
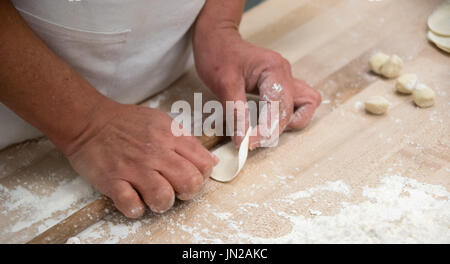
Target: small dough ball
pixel 377 105
pixel 423 96
pixel 406 83
pixel 376 61
pixel 392 67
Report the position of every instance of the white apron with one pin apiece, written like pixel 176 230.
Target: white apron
pixel 127 49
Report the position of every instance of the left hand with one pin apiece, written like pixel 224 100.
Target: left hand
pixel 230 67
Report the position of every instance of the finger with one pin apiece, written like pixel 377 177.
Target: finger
pixel 190 148
pixel 275 118
pixel 302 116
pixel 156 191
pixel 302 85
pixel 126 199
pixel 184 177
pixel 304 93
pixel 267 131
pixel 306 101
pixel 233 92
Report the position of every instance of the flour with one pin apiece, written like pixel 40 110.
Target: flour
pixel 315 212
pixel 73 240
pixel 222 216
pixel 400 210
pixel 277 87
pixel 358 105
pixel 34 208
pixel 121 231
pixel 336 186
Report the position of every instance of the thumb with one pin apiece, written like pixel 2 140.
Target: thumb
pixel 302 116
pixel 306 101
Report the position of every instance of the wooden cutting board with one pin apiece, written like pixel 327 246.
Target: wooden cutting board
pixel 328 43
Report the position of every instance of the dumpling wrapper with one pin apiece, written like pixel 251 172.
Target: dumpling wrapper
pixel 231 160
pixel 443 48
pixel 443 42
pixel 439 20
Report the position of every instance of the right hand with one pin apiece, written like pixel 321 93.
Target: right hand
pixel 132 157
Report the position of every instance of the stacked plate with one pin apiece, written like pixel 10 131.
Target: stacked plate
pixel 439 27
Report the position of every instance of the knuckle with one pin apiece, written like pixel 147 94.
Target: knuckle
pixel 276 60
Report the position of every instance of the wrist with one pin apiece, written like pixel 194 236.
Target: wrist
pixel 211 32
pixel 86 123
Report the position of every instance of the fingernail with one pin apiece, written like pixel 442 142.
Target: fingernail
pixel 157 211
pixel 137 211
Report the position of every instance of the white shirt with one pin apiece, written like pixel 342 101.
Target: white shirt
pixel 127 49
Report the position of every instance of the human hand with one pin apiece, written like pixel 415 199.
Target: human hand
pixel 130 155
pixel 232 67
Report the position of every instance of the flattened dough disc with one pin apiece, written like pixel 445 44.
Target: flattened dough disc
pixel 441 41
pixel 443 48
pixel 231 160
pixel 439 21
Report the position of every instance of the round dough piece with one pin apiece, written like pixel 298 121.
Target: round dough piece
pixel 406 83
pixel 423 96
pixel 392 67
pixel 377 105
pixel 376 61
pixel 439 20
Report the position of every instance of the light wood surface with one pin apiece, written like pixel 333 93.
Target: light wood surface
pixel 328 43
pixel 75 223
pixel 94 211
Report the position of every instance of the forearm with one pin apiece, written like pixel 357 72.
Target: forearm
pixel 40 87
pixel 219 15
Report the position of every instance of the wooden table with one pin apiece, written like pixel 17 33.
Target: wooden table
pixel 337 168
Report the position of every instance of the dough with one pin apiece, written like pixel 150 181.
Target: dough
pixel 439 20
pixel 392 67
pixel 423 96
pixel 442 42
pixel 376 61
pixel 231 160
pixel 377 105
pixel 439 40
pixel 406 83
pixel 443 48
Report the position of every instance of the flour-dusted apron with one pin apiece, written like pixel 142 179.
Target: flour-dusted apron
pixel 127 49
